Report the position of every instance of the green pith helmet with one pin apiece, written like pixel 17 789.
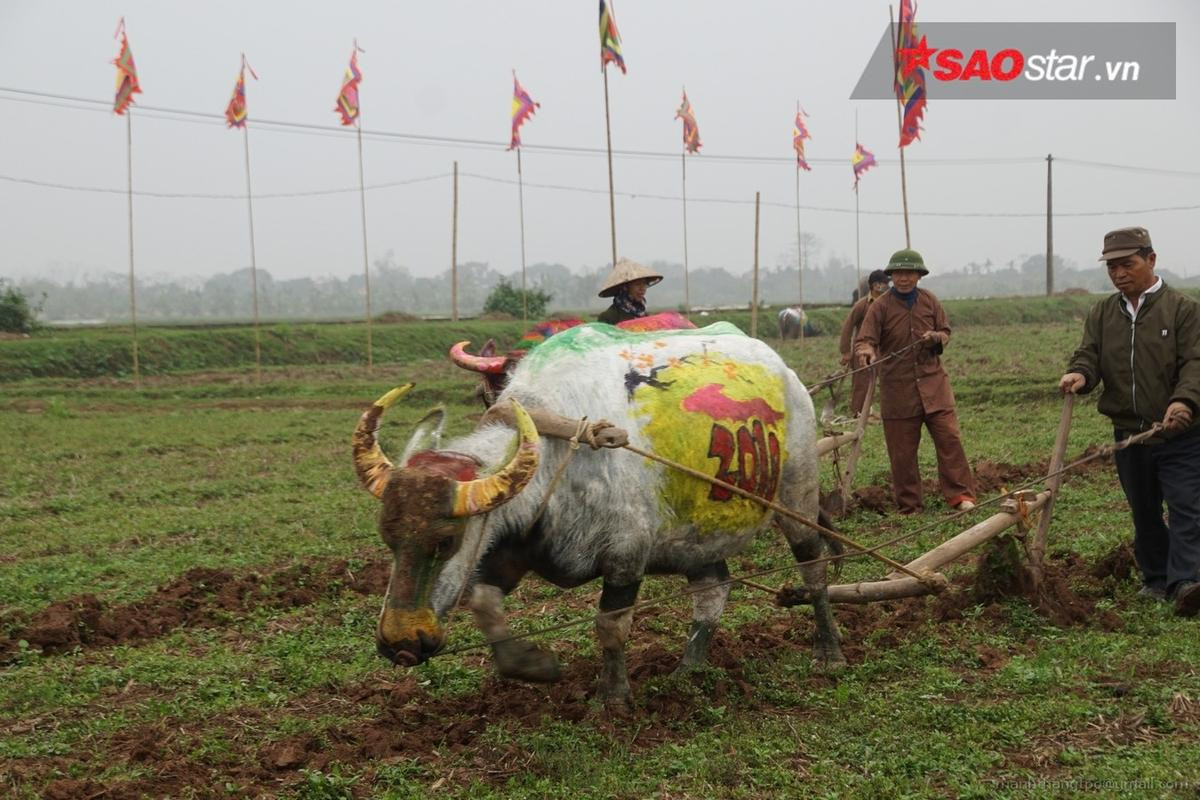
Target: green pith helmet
pixel 906 259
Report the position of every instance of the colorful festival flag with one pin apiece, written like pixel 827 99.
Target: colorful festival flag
pixel 127 79
pixel 610 40
pixel 522 109
pixel 910 77
pixel 862 160
pixel 235 112
pixel 347 101
pixel 691 132
pixel 799 134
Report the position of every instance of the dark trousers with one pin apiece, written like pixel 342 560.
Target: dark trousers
pixel 1167 553
pixel 903 438
pixel 858 391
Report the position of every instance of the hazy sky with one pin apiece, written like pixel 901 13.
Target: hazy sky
pixel 443 69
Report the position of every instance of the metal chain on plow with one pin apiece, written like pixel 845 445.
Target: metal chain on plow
pixel 1102 451
pixel 837 376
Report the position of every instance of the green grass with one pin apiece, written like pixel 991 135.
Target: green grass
pixel 107 350
pixel 115 492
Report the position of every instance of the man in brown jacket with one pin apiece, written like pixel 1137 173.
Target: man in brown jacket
pixel 878 281
pixel 1143 344
pixel 914 388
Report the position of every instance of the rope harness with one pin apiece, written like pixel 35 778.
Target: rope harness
pixel 837 376
pixel 584 430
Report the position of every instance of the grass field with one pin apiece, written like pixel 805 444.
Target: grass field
pixel 190 574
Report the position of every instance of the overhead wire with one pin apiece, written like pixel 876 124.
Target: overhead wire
pixel 584 190
pixel 185 115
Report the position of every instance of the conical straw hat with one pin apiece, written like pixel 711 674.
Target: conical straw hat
pixel 625 271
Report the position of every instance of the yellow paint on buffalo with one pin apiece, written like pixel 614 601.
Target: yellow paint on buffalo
pixel 721 417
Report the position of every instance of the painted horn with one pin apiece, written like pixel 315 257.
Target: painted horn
pixel 485 493
pixel 493 365
pixel 373 468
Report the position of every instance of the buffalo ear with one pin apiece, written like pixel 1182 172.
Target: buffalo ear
pixel 489 348
pixel 427 435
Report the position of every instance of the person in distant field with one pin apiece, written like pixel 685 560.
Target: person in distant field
pixel 1143 344
pixel 878 281
pixel 627 285
pixel 914 388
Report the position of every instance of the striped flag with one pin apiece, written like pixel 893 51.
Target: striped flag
pixel 862 160
pixel 347 101
pixel 910 78
pixel 127 78
pixel 691 132
pixel 799 134
pixel 235 112
pixel 610 40
pixel 522 109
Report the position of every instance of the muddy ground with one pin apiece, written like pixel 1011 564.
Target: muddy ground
pixel 399 721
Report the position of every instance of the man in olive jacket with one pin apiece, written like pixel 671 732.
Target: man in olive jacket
pixel 1143 344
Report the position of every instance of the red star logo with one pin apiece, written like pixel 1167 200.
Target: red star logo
pixel 915 57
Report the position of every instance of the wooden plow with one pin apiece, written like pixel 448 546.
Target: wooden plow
pixel 922 575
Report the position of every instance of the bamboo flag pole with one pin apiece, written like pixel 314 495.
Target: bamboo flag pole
pixel 900 124
pixel 687 300
pixel 253 258
pixel 362 196
pixel 857 238
pixel 127 87
pixel 454 246
pixel 236 117
pixel 754 299
pixel 137 374
pixel 521 202
pixel 612 205
pixel 799 257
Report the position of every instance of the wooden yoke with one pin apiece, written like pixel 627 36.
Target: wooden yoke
pixel 597 434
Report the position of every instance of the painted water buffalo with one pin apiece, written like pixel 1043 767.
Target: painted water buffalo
pixel 473 517
pixel 494 369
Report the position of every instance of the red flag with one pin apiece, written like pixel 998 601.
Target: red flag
pixel 799 134
pixel 347 102
pixel 862 160
pixel 910 77
pixel 522 109
pixel 610 40
pixel 691 132
pixel 127 79
pixel 235 112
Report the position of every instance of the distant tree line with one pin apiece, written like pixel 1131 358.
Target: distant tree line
pixel 394 288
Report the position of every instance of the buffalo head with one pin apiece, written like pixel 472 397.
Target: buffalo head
pixel 431 505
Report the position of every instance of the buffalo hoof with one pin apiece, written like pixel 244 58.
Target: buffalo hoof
pixel 828 660
pixel 616 699
pixel 523 661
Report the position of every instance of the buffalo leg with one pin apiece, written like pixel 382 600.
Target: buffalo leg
pixel 515 658
pixel 709 589
pixel 806 546
pixel 612 629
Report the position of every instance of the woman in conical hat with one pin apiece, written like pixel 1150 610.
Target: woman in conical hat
pixel 626 285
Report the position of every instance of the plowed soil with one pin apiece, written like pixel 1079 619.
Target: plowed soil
pixel 400 721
